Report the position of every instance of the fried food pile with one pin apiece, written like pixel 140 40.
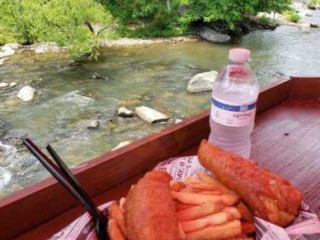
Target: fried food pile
pixel 204 207
pixel 270 197
pixel 197 209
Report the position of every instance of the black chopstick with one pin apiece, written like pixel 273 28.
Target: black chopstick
pixel 65 177
pixel 99 218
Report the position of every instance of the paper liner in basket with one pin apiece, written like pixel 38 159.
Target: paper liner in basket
pixel 305 227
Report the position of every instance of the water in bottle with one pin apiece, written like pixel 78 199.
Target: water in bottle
pixel 233 104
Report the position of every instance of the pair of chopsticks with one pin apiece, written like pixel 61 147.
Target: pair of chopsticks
pixel 63 175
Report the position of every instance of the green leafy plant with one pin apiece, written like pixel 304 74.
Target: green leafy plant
pixel 66 22
pixel 292 16
pixel 264 20
pixel 230 11
pixel 312 4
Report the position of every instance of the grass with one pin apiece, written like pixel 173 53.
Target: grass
pixel 292 16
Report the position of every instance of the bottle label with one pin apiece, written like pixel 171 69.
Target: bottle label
pixel 232 115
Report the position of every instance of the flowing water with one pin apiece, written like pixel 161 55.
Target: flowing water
pixel 68 97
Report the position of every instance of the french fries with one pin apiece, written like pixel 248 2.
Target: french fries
pixel 177 186
pixel 180 206
pixel 205 177
pixel 182 234
pixel 227 230
pixel 198 198
pixel 248 227
pixel 200 211
pixel 114 230
pixel 116 213
pixel 245 212
pixel 207 210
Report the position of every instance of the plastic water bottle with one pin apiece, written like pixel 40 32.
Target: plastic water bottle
pixel 233 104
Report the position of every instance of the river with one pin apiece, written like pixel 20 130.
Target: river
pixel 156 76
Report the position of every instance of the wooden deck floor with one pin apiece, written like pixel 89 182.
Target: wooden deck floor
pixel 286 140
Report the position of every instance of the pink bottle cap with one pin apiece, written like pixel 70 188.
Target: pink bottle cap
pixel 239 54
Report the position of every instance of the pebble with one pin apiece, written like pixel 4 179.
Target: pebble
pixel 125 112
pixel 122 144
pixel 178 121
pixel 94 124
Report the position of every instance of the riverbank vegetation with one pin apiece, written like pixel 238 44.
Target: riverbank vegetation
pixel 80 24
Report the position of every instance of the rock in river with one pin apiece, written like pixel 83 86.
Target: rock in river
pixel 122 144
pixel 3 85
pixel 213 36
pixel 93 124
pixel 26 93
pixel 96 75
pixel 13 84
pixel 6 51
pixel 150 115
pixel 202 82
pixel 125 112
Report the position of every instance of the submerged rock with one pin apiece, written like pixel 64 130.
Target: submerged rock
pixel 150 115
pixel 4 85
pixel 202 82
pixel 96 75
pixel 26 94
pixel 122 144
pixel 125 112
pixel 213 36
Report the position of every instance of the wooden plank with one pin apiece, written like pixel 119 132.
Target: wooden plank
pixel 273 95
pixel 305 87
pixel 286 140
pixel 47 199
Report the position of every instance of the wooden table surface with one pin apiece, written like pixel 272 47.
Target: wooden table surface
pixel 286 140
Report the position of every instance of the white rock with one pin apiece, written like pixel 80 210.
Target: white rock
pixel 178 120
pixel 14 46
pixel 150 115
pixel 13 84
pixel 3 85
pixel 125 112
pixel 26 93
pixel 213 36
pixel 93 124
pixel 6 51
pixel 122 144
pixel 202 82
